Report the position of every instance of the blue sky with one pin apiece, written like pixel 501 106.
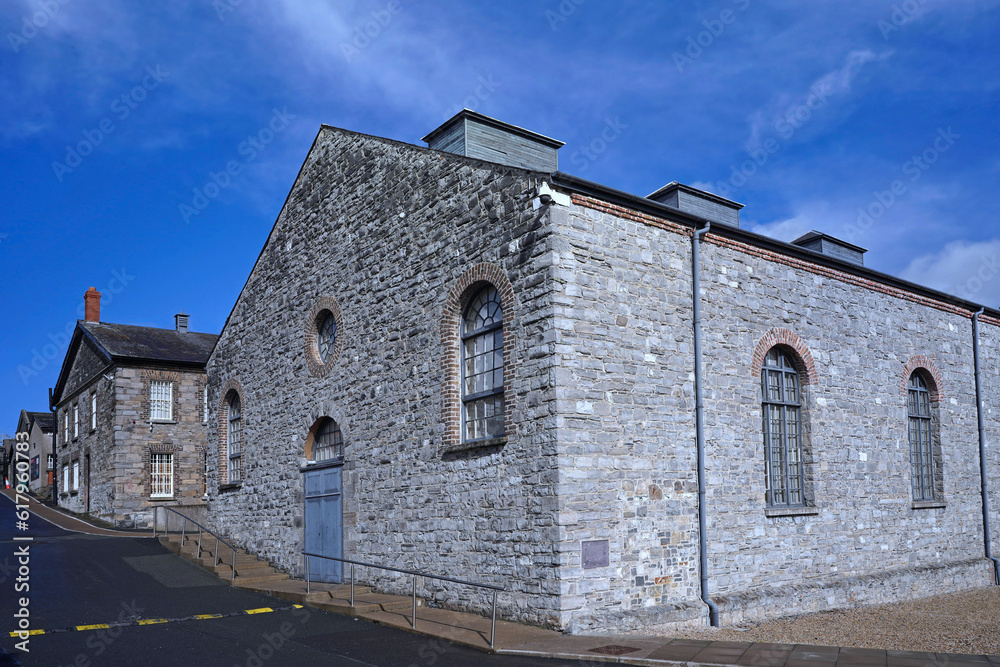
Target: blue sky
pixel 116 115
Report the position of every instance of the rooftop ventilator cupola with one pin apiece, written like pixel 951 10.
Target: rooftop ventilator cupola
pixel 474 135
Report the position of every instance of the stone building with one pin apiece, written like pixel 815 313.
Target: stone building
pixel 9 460
pixel 131 417
pixel 38 426
pixel 459 360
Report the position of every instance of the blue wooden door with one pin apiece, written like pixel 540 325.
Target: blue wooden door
pixel 324 523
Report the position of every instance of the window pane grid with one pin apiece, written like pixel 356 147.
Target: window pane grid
pixel 235 441
pixel 162 475
pixel 327 337
pixel 782 432
pixel 918 407
pixel 483 367
pixel 484 418
pixel 161 400
pixel 329 442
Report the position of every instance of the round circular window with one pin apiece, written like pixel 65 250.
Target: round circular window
pixel 324 336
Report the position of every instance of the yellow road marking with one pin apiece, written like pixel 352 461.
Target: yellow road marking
pixel 153 621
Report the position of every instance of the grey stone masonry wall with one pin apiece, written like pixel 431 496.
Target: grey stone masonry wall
pixel 627 456
pixel 626 436
pixel 83 378
pixel 989 352
pixel 93 445
pixel 387 231
pixel 135 439
pixel 117 485
pixel 857 346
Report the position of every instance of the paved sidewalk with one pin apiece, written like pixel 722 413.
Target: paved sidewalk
pixel 516 639
pixel 67 521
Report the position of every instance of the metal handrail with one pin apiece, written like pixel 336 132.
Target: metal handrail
pixel 201 529
pixel 414 574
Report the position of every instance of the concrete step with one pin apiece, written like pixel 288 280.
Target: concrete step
pixel 258 579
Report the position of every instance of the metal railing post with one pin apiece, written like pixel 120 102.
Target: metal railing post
pixel 198 555
pixel 154 521
pixel 215 563
pixel 234 565
pixel 184 525
pixel 493 623
pixel 413 594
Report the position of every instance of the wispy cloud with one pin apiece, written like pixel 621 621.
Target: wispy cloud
pixel 967 269
pixel 795 109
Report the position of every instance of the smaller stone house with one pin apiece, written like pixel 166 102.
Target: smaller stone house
pixel 38 426
pixel 130 418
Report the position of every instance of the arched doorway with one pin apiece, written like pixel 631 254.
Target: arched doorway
pixel 324 510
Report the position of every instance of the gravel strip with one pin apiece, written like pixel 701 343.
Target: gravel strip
pixel 966 622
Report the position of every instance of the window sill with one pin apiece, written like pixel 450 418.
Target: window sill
pixel 791 511
pixel 928 504
pixel 160 498
pixel 230 487
pixel 476 444
pixel 329 463
pixel 74 492
pixel 163 421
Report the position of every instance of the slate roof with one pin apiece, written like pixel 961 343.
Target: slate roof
pixel 45 420
pixel 125 341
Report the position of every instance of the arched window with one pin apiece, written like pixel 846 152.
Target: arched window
pixel 482 367
pixel 234 440
pixel 328 443
pixel 782 414
pixel 918 408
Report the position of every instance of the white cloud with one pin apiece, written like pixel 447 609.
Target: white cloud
pixel 788 112
pixel 839 80
pixel 809 216
pixel 968 270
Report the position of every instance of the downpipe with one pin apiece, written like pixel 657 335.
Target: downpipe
pixel 699 411
pixel 982 450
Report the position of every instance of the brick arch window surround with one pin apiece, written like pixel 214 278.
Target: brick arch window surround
pixel 482 285
pixel 922 391
pixel 324 336
pixel 801 356
pixel 160 395
pixel 785 368
pixel 231 414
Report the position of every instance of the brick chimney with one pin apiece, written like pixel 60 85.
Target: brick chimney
pixel 181 322
pixel 92 305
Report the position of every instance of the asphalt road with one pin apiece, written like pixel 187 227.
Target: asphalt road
pixel 74 579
